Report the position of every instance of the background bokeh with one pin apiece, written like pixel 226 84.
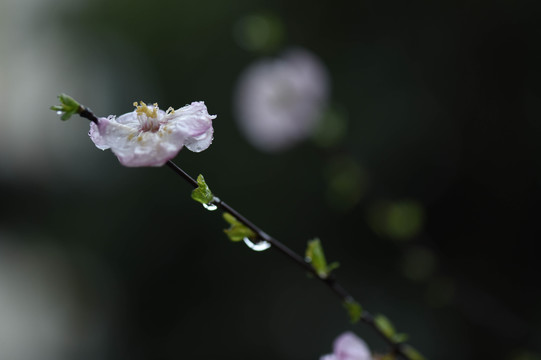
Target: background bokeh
pixel 423 180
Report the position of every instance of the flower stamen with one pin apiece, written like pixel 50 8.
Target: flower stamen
pixel 148 117
pixel 144 109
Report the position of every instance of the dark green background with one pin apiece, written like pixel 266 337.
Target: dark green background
pixel 442 101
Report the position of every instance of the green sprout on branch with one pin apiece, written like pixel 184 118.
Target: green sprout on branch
pixel 354 310
pixel 237 231
pixel 316 257
pixel 69 106
pixel 412 353
pixel 387 328
pixel 202 193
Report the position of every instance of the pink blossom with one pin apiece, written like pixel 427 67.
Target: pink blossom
pixel 280 101
pixel 149 136
pixel 348 346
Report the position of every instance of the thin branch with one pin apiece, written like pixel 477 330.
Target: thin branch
pixel 182 173
pixel 88 114
pixel 329 281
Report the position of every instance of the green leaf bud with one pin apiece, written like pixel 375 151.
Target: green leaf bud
pixel 68 108
pixel 354 310
pixel 411 353
pixel 68 101
pixel 384 325
pixel 316 257
pixel 202 193
pixel 237 230
pixel 400 337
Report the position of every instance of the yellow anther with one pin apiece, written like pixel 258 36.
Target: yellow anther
pixel 144 109
pixel 170 111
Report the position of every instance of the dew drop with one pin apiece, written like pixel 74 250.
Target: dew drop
pixel 210 207
pixel 260 246
pixel 59 112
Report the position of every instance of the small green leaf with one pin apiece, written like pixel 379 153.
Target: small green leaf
pixel 237 231
pixel 400 338
pixel 67 115
pixel 202 193
pixel 332 266
pixel 68 108
pixel 316 256
pixel 411 353
pixel 68 101
pixel 354 309
pixel 384 325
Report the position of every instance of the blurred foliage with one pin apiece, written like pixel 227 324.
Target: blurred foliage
pixel 384 325
pixel 525 355
pixel 347 182
pixel 399 220
pixel 259 32
pixel 440 292
pixel 354 309
pixel 419 263
pixel 412 353
pixel 332 128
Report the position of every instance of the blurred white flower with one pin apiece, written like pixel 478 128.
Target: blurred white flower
pixel 280 101
pixel 348 346
pixel 149 136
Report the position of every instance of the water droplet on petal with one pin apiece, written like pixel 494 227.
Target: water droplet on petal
pixel 210 207
pixel 260 246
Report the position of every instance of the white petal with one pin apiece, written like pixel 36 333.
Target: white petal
pixel 328 357
pixel 135 148
pixel 150 148
pixel 349 346
pixel 95 136
pixel 200 143
pixel 129 119
pixel 196 123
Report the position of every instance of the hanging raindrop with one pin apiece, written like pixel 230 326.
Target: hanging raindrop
pixel 210 206
pixel 260 246
pixel 59 112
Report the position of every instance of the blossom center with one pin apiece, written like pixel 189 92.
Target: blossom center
pixel 147 116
